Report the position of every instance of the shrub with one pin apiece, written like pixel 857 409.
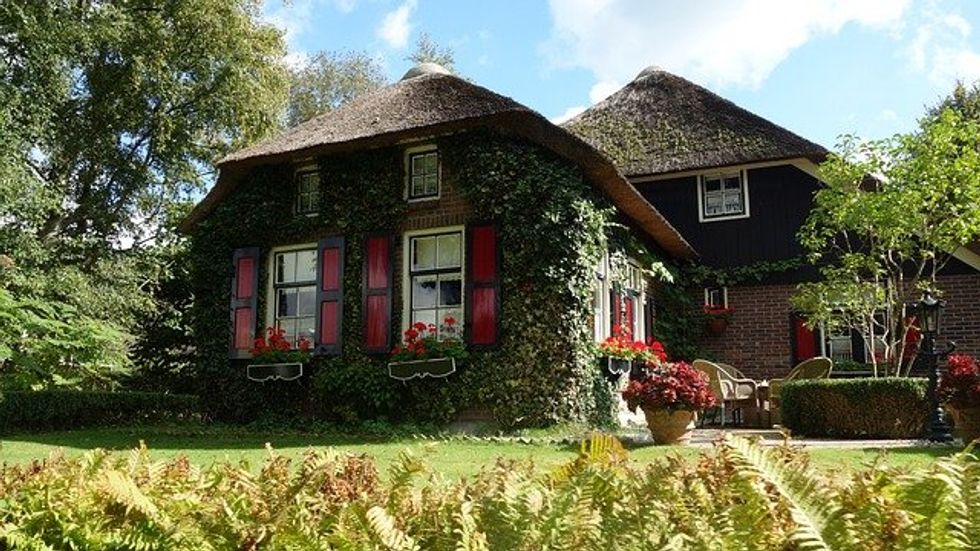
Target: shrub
pixel 672 386
pixel 71 409
pixel 960 385
pixel 886 407
pixel 739 497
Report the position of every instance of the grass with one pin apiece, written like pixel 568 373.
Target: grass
pixel 452 458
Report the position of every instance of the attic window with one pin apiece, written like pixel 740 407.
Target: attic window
pixel 423 173
pixel 307 191
pixel 723 196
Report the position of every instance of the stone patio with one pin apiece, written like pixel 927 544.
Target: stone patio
pixel 773 437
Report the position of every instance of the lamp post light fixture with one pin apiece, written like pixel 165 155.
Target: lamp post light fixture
pixel 929 312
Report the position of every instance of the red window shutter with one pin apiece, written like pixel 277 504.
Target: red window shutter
pixel 330 295
pixel 804 341
pixel 244 301
pixel 377 284
pixel 615 312
pixel 482 325
pixel 628 319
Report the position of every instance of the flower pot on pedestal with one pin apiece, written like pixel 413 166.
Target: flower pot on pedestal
pixel 670 427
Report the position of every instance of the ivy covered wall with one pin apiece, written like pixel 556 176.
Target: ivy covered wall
pixel 554 227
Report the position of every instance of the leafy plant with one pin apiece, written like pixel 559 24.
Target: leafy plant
pixel 670 386
pixel 277 349
pixel 428 341
pixel 622 346
pixel 960 384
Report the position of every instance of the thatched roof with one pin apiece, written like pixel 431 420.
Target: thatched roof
pixel 662 123
pixel 426 103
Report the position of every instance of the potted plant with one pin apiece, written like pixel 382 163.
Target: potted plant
pixel 427 351
pixel 959 389
pixel 716 318
pixel 273 357
pixel 670 397
pixel 620 354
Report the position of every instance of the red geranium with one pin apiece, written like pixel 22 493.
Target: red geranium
pixel 424 341
pixel 671 386
pixel 274 347
pixel 960 385
pixel 622 346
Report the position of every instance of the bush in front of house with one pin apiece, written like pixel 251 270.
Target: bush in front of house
pixel 739 497
pixel 886 407
pixel 72 409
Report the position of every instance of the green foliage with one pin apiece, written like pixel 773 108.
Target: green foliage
pixel 886 407
pixel 45 344
pixel 328 80
pixel 72 409
pixel 428 51
pixel 544 370
pixel 886 222
pixel 740 497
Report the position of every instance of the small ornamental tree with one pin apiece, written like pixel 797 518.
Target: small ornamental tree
pixel 887 220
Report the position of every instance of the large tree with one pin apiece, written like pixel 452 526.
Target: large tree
pixel 887 221
pixel 111 114
pixel 329 80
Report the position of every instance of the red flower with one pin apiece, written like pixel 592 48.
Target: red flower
pixel 419 326
pixel 303 344
pixel 450 321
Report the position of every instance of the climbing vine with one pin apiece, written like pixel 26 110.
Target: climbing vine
pixel 553 230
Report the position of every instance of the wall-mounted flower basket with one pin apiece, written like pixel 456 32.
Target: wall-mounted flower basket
pixel 432 367
pixel 276 371
pixel 717 326
pixel 614 368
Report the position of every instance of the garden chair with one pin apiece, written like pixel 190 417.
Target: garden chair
pixel 731 370
pixel 814 368
pixel 731 392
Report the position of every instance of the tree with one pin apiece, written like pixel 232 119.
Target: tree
pixel 889 217
pixel 110 113
pixel 427 51
pixel 328 81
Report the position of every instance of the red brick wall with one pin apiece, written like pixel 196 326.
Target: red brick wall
pixel 757 340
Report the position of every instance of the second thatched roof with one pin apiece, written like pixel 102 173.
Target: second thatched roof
pixel 662 123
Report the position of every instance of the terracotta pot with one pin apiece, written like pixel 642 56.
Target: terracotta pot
pixel 670 427
pixel 966 422
pixel 717 326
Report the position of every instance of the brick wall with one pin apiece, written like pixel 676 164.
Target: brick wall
pixel 758 342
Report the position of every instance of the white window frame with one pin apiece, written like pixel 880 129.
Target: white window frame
pixel 407 271
pixel 602 321
pixel 601 318
pixel 743 178
pixel 418 150
pixel 724 295
pixel 270 291
pixel 305 169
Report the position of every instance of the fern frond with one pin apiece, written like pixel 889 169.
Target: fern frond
pixel 385 530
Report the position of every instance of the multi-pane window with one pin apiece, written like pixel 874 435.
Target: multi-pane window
pixel 423 175
pixel 436 278
pixel 716 297
pixel 723 195
pixel 294 292
pixel 307 192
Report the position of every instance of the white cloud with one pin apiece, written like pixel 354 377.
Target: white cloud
pixel 721 42
pixel 569 113
pixel 294 18
pixel 941 50
pixel 602 90
pixel 345 6
pixel 395 27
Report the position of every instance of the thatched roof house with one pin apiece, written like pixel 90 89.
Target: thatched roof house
pixel 662 123
pixel 429 101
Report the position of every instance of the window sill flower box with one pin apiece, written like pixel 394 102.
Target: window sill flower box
pixel 431 367
pixel 614 368
pixel 276 371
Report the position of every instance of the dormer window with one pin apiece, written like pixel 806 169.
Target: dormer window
pixel 307 191
pixel 423 173
pixel 723 196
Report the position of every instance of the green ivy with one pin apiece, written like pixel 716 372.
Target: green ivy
pixel 553 230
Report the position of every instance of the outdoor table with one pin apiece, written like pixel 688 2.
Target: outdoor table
pixel 765 406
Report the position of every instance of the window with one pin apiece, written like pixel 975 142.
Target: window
pixel 307 192
pixel 716 297
pixel 723 196
pixel 423 174
pixel 435 277
pixel 294 293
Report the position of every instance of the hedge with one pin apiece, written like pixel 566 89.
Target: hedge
pixel 886 407
pixel 70 409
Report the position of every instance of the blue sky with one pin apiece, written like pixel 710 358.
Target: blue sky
pixel 819 67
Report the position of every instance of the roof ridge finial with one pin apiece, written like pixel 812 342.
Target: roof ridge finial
pixel 426 68
pixel 650 70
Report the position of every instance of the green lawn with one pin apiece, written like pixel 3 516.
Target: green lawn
pixel 452 458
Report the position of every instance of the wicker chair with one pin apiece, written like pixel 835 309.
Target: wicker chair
pixel 814 368
pixel 732 392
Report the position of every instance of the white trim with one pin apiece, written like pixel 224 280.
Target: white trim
pixel 724 295
pixel 805 165
pixel 415 150
pixel 270 280
pixel 743 180
pixel 407 270
pixel 968 257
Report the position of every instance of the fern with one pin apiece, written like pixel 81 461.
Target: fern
pixel 385 529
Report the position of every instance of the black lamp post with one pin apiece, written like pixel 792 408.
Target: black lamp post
pixel 929 313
